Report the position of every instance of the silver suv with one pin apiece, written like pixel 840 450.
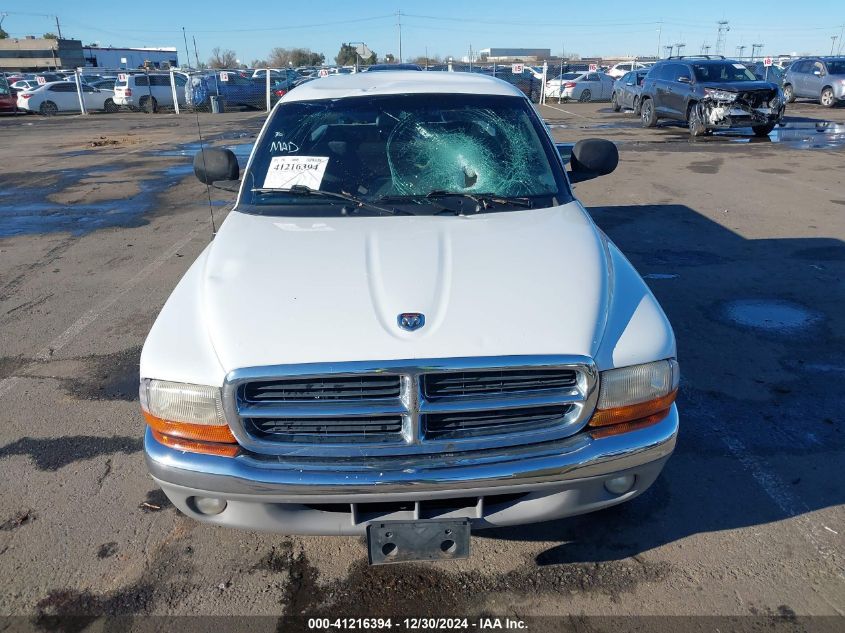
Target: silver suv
pixel 821 78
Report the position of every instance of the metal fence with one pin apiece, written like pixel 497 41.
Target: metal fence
pixel 87 90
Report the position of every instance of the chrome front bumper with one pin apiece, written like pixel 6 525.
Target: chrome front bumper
pixel 280 494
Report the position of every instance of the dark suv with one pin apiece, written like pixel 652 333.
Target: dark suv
pixel 709 93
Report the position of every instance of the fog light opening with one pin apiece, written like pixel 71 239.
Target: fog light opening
pixel 389 549
pixel 209 505
pixel 620 485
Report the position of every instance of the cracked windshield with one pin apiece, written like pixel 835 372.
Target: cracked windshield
pixel 402 149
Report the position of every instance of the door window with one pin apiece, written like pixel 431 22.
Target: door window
pixel 63 87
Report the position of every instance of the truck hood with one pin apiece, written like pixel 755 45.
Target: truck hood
pixel 280 290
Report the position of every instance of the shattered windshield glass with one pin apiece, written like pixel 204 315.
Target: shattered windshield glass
pixel 722 72
pixel 406 147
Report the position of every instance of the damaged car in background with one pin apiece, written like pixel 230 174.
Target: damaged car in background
pixel 710 93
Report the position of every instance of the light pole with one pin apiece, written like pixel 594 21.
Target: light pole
pixel 833 39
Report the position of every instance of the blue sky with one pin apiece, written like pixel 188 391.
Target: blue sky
pixel 603 27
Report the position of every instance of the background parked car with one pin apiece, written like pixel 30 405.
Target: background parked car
pixel 236 90
pixel 61 96
pixel 525 81
pixel 624 67
pixel 108 84
pixel 149 91
pixel 24 84
pixel 8 103
pixel 707 93
pixel 770 73
pixel 821 78
pixel 627 90
pixel 579 86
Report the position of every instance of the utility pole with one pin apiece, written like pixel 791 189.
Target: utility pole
pixel 756 48
pixel 705 48
pixel 680 46
pixel 399 25
pixel 720 39
pixel 668 48
pixel 59 28
pixel 833 39
pixel 659 30
pixel 740 49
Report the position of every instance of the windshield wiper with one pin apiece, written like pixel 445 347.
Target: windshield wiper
pixel 483 201
pixel 302 190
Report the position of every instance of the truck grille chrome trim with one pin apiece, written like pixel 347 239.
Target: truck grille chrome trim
pixel 358 409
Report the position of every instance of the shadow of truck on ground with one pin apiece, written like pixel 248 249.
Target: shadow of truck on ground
pixel 759 326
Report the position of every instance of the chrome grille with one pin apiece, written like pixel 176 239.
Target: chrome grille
pixel 496 382
pixel 321 388
pixel 457 425
pixel 409 407
pixel 338 429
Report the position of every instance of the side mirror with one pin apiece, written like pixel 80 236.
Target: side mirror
pixel 817 73
pixel 212 165
pixel 592 157
pixel 684 79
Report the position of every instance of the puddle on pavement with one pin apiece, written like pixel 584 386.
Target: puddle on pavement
pixel 33 213
pixel 772 316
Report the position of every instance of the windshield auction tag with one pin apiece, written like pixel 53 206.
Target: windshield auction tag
pixel 286 171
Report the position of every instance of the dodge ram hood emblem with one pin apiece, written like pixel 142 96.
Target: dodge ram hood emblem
pixel 411 320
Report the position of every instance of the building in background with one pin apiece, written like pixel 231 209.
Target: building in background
pixel 109 57
pixel 33 54
pixel 514 54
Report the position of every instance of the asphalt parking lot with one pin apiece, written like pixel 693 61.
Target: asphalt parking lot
pixel 741 240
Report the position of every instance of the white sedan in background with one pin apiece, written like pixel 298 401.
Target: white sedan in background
pixel 580 86
pixel 24 84
pixel 61 96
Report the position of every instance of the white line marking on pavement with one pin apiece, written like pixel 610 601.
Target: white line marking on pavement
pixel 94 313
pixel 566 111
pixel 795 510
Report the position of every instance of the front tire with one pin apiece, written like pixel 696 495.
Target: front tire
pixel 614 103
pixel 647 114
pixel 763 130
pixel 48 108
pixel 827 98
pixel 695 123
pixel 637 106
pixel 789 93
pixel 585 96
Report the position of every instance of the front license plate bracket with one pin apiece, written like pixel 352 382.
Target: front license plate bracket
pixel 405 541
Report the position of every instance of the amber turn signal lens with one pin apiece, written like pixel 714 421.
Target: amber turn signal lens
pixel 191 446
pixel 632 412
pixel 626 427
pixel 184 430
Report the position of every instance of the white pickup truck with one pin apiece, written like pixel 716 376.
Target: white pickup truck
pixel 407 327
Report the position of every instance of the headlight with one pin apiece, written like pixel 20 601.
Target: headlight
pixel 720 95
pixel 187 412
pixel 775 103
pixel 640 393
